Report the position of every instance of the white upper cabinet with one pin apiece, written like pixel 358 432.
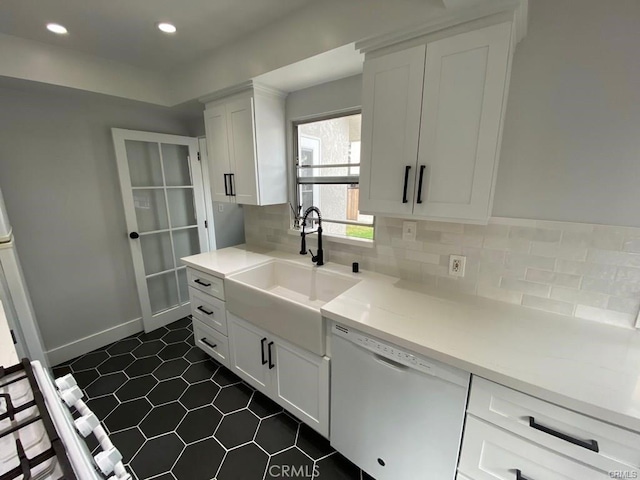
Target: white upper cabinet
pixel 432 122
pixel 246 148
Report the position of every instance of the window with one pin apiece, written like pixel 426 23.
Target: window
pixel 327 174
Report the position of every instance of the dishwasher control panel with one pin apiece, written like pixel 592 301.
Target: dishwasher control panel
pixel 401 356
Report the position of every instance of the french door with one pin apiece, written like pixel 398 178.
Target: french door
pixel 163 197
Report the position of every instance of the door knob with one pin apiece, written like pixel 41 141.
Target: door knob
pixel 134 235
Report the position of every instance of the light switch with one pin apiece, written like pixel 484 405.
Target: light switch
pixel 409 231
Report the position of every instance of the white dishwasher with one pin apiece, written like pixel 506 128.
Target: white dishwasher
pixel 395 414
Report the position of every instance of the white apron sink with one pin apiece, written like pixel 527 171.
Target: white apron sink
pixel 285 298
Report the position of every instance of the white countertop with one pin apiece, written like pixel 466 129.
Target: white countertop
pixel 8 355
pixel 585 366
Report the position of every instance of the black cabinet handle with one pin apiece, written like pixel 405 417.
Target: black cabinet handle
pixel 519 476
pixel 588 444
pixel 422 167
pixel 406 181
pixel 206 342
pixel 226 187
pixel 200 282
pixel 204 310
pixel 264 360
pixel 271 364
pixel 232 184
pixel 134 235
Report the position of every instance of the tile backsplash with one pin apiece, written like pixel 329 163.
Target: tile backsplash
pixel 587 271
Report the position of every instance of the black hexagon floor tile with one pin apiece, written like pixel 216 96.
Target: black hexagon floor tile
pixel 180 324
pixel 123 346
pixel 61 371
pixel 158 456
pixel 163 419
pixel 277 433
pixel 175 336
pixel 312 443
pixel 200 372
pixel 291 463
pixel 116 364
pixel 136 388
pixel 195 355
pixel 199 461
pixel 167 391
pixel 186 390
pixel 237 428
pixel 247 461
pixel 199 424
pixel 263 406
pixel 103 406
pixel 336 467
pixel 128 442
pixel 90 360
pixel 143 366
pixel 175 350
pixel 224 377
pixel 171 368
pixel 233 397
pixel 127 415
pixel 154 335
pixel 105 384
pixel 199 394
pixel 148 348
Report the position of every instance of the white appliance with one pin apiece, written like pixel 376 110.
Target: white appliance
pixel 395 414
pixel 39 438
pixel 14 297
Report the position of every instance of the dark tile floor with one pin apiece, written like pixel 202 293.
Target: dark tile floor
pixel 176 414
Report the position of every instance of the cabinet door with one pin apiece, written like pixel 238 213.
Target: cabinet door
pixel 242 151
pixel 215 121
pixel 301 385
pixel 248 345
pixel 464 91
pixel 391 103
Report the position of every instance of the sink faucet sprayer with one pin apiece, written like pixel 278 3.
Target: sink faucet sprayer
pixel 319 258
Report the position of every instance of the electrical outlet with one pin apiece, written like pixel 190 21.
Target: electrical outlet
pixel 409 231
pixel 456 265
pixel 221 207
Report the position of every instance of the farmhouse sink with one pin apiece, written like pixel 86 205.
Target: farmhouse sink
pixel 285 298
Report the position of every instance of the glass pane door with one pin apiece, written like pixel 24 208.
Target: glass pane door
pixel 164 205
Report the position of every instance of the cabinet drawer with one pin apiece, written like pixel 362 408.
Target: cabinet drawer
pixel 490 453
pixel 209 310
pixel 591 441
pixel 206 283
pixel 211 342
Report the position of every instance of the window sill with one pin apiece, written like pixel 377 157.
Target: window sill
pixel 356 242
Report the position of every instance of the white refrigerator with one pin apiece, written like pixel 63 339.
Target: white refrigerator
pixel 16 303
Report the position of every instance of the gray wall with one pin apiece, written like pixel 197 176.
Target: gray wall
pixel 229 224
pixel 571 139
pixel 59 179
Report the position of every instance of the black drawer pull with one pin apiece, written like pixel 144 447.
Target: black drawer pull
pixel 519 476
pixel 406 182
pixel 264 360
pixel 206 342
pixel 271 364
pixel 200 282
pixel 588 444
pixel 204 310
pixel 226 188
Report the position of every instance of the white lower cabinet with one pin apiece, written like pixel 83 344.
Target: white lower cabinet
pixel 296 379
pixel 490 453
pixel 211 341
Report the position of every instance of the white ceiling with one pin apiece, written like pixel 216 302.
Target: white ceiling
pixel 125 30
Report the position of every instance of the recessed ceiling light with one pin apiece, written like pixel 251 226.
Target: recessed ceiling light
pixel 167 27
pixel 56 28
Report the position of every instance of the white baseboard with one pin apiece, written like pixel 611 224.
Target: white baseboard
pixel 100 339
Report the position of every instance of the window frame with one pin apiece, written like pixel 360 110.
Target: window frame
pixel 338 180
